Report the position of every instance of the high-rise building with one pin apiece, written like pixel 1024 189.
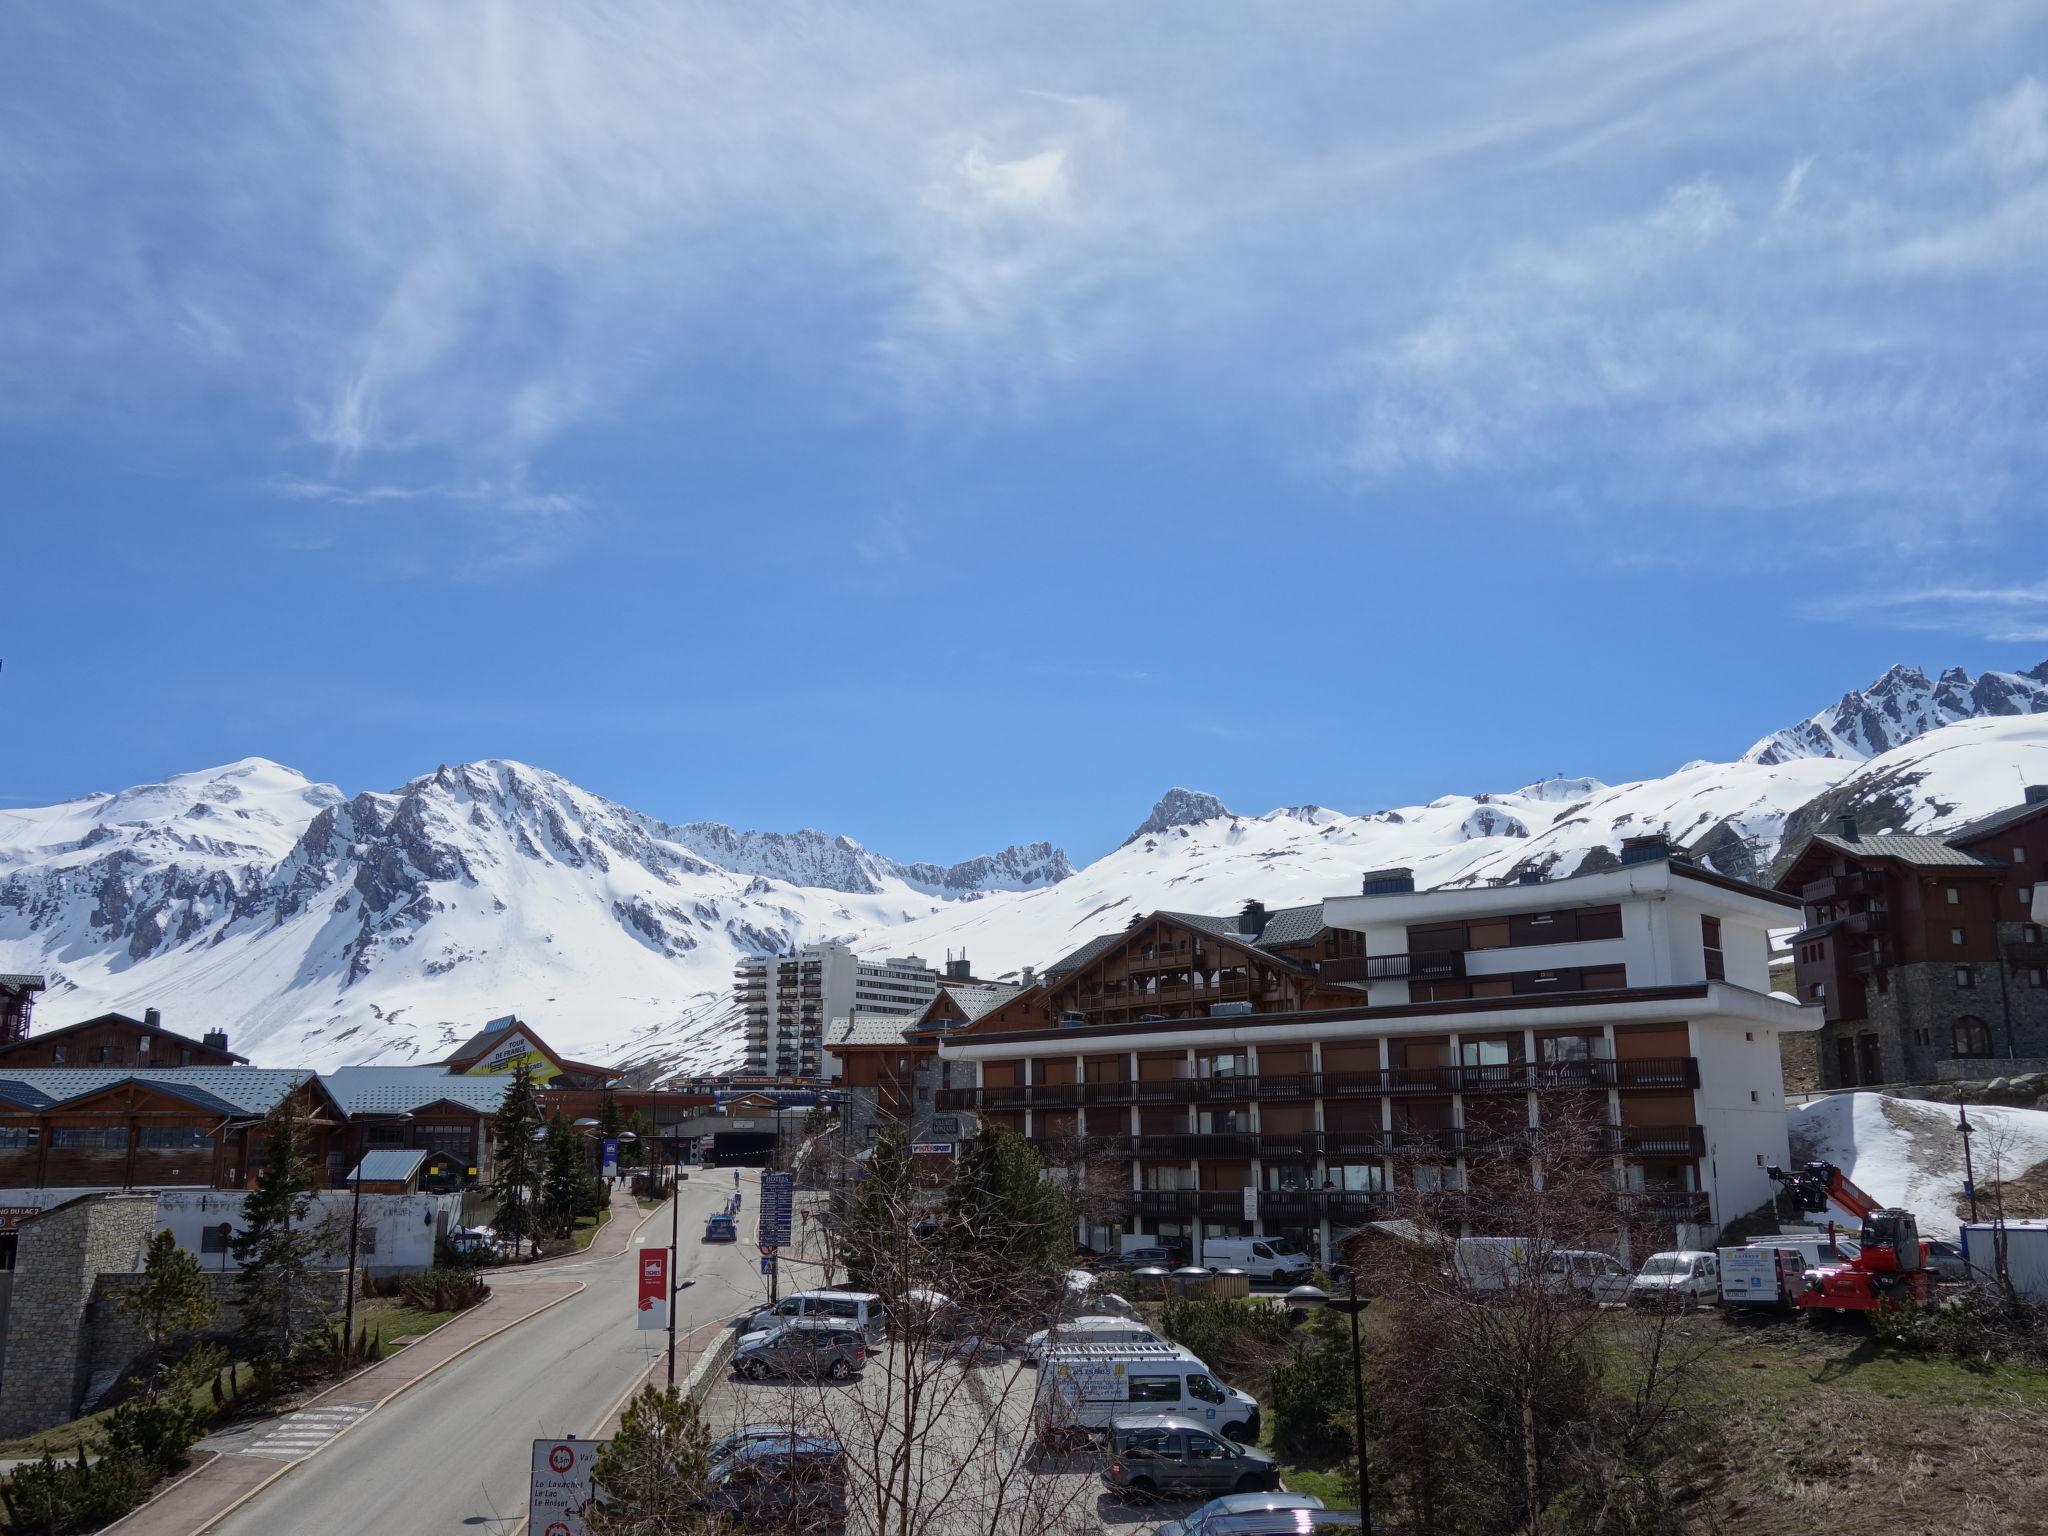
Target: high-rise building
pixel 789 999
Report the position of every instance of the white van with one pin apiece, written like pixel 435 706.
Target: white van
pixel 1087 1386
pixel 856 1309
pixel 1770 1272
pixel 1683 1277
pixel 1088 1330
pixel 1262 1258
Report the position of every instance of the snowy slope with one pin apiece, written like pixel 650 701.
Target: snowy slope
pixel 1906 1152
pixel 1900 706
pixel 321 929
pixel 1191 855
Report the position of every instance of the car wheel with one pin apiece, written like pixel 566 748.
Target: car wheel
pixel 751 1369
pixel 1239 1431
pixel 837 1370
pixel 1142 1490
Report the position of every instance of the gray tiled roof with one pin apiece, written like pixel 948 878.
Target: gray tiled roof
pixel 14 981
pixel 24 1095
pixel 223 1090
pixel 387 1165
pixel 1293 925
pixel 395 1090
pixel 868 1030
pixel 978 998
pixel 1969 831
pixel 1929 852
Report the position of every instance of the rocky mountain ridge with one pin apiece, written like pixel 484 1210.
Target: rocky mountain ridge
pixel 1901 706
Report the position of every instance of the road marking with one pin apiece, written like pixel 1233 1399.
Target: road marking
pixel 301 1434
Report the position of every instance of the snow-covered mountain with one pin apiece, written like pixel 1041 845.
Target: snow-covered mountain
pixel 321 929
pixel 1739 818
pixel 1902 705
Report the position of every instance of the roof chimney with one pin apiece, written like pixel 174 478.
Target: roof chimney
pixel 1646 849
pixel 1845 829
pixel 958 970
pixel 1252 920
pixel 153 1017
pixel 1389 882
pixel 1028 977
pixel 2037 793
pixel 215 1039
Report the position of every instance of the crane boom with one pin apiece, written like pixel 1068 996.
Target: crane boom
pixel 1823 1189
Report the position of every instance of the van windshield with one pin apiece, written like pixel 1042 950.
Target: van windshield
pixel 1665 1264
pixel 1282 1245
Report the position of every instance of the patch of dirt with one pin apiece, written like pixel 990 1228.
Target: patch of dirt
pixel 2023 1199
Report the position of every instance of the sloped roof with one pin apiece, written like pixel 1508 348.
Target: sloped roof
pixel 1202 922
pixel 23 1095
pixel 977 998
pixel 122 1019
pixel 387 1165
pixel 396 1090
pixel 222 1090
pixel 1970 831
pixel 1907 848
pixel 1293 925
pixel 868 1030
pixel 480 1042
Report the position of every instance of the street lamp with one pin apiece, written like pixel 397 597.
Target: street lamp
pixel 1307 1298
pixel 1966 1131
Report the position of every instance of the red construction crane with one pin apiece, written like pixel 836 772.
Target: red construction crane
pixel 1891 1267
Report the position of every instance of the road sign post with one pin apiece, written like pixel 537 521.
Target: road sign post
pixel 560 1490
pixel 778 1205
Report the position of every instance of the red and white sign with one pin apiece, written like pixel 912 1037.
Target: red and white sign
pixel 654 1291
pixel 560 1491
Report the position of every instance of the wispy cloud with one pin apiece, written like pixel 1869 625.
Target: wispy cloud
pixel 2015 614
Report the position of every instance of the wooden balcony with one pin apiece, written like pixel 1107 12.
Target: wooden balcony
pixel 1193 1144
pixel 1657 1140
pixel 1856 882
pixel 1164 957
pixel 1169 994
pixel 1666 1205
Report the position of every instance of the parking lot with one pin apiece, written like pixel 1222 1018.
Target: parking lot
pixel 953 1442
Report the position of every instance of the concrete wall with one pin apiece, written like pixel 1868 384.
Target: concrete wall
pixel 399 1231
pixel 58 1261
pixel 1741 1107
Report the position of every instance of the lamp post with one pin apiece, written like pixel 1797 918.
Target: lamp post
pixel 675 1244
pixel 1307 1298
pixel 1965 1130
pixel 355 1228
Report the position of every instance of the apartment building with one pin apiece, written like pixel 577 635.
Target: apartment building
pixel 1301 1072
pixel 788 1001
pixel 1925 956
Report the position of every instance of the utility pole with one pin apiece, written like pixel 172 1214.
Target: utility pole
pixel 1965 1130
pixel 675 1245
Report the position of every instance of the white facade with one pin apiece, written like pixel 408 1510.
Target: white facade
pixel 788 1001
pixel 1654 986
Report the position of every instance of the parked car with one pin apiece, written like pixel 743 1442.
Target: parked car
pixel 1948 1260
pixel 730 1443
pixel 1198 1523
pixel 785 1484
pixel 1263 1258
pixel 1684 1277
pixel 1586 1272
pixel 1171 1453
pixel 853 1309
pixel 1285 1522
pixel 720 1228
pixel 1140 1258
pixel 801 1349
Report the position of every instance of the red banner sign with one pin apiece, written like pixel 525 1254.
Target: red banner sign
pixel 654 1291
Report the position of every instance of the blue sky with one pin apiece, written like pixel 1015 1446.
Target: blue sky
pixel 953 424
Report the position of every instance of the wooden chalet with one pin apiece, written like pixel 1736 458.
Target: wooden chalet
pixel 116 1040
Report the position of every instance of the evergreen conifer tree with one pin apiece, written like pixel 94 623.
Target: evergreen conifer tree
pixel 279 1248
pixel 518 1158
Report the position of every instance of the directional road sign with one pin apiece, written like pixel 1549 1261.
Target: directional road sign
pixel 778 1202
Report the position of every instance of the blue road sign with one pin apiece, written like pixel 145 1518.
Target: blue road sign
pixel 768 1264
pixel 778 1204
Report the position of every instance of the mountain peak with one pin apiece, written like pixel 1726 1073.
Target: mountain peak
pixel 1899 707
pixel 1179 808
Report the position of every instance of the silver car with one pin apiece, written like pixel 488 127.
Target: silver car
pixel 816 1349
pixel 1203 1522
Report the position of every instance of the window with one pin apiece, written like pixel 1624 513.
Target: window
pixel 1710 945
pixel 1966 977
pixel 98 1138
pixel 384 1135
pixel 1972 1036
pixel 1483 1053
pixel 444 1138
pixel 2038 976
pixel 1566 1047
pixel 214 1239
pixel 1955 897
pixel 1606 978
pixel 1600 922
pixel 1817 992
pixel 1955 935
pixel 17 1138
pixel 2026 895
pixel 1202 1387
pixel 1364 1178
pixel 173 1138
pixel 1155 1389
pixel 59 1054
pixel 2019 857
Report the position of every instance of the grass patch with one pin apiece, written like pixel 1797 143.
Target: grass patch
pixel 65 1440
pixel 390 1319
pixel 587 1228
pixel 649 1202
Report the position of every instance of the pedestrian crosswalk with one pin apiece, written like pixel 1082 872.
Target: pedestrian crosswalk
pixel 303 1433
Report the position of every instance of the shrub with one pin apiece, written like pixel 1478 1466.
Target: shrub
pixel 67 1498
pixel 1240 1341
pixel 1976 1326
pixel 1312 1393
pixel 443 1290
pixel 156 1427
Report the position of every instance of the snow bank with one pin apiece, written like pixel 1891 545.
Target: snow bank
pixel 1906 1151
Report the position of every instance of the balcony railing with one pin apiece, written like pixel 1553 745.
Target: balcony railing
pixel 1427 965
pixel 1657 1140
pixel 1203 1144
pixel 1835 887
pixel 1166 957
pixel 1667 1205
pixel 1499 1077
pixel 1172 993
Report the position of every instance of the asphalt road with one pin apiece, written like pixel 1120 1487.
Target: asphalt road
pixel 451 1457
